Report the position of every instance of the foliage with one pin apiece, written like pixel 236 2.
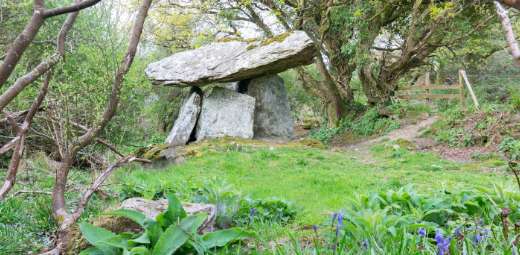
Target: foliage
pixel 460 128
pixel 403 222
pixel 369 124
pixel 171 231
pixel 511 148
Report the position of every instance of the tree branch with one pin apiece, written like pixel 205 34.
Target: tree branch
pixel 509 33
pixel 72 8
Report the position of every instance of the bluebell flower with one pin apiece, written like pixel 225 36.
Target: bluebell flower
pixel 421 232
pixel 365 244
pixel 477 238
pixel 340 220
pixel 252 212
pixel 315 228
pixel 334 218
pixel 443 244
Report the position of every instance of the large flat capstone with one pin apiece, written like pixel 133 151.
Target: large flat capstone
pixel 273 117
pixel 226 113
pixel 186 121
pixel 233 61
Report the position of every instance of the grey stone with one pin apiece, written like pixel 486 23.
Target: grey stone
pixel 233 61
pixel 152 208
pixel 186 121
pixel 226 113
pixel 273 118
pixel 230 85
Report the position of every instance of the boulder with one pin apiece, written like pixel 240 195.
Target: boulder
pixel 233 61
pixel 152 208
pixel 186 121
pixel 226 113
pixel 273 118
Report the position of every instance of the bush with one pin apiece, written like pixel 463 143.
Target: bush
pixel 369 124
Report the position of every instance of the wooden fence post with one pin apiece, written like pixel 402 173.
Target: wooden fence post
pixel 470 89
pixel 428 83
pixel 461 90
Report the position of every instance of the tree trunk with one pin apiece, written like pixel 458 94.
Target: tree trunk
pixel 379 88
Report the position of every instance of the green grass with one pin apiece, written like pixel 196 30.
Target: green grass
pixel 317 181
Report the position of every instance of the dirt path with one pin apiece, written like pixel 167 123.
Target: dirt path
pixel 408 132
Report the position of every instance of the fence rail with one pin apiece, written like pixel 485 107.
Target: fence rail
pixel 424 90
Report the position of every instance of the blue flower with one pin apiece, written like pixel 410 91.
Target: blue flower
pixel 315 228
pixel 365 244
pixel 252 212
pixel 443 244
pixel 340 220
pixel 421 232
pixel 477 238
pixel 458 232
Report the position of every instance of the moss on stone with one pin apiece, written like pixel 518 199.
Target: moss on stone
pixel 276 38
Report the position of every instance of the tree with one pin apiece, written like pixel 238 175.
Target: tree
pixel 24 39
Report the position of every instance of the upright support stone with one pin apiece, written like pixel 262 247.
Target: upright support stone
pixel 226 113
pixel 273 118
pixel 185 123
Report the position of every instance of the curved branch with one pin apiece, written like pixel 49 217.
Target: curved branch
pixel 68 9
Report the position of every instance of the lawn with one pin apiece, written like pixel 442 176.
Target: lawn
pixel 317 181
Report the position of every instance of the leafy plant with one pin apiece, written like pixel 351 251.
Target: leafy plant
pixel 404 222
pixel 171 232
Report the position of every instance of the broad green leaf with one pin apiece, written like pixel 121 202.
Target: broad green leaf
pixel 153 230
pixel 135 216
pixel 97 237
pixel 171 240
pixel 116 241
pixel 142 239
pixel 173 214
pixel 139 251
pixel 92 251
pixel 223 237
pixel 94 234
pixel 177 235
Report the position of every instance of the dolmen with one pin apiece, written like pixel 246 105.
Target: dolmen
pixel 235 89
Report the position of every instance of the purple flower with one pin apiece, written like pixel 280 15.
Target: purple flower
pixel 457 232
pixel 315 228
pixel 252 212
pixel 365 244
pixel 443 244
pixel 477 238
pixel 421 232
pixel 334 218
pixel 340 220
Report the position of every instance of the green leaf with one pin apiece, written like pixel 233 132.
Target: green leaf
pixel 223 237
pixel 171 240
pixel 92 251
pixel 135 216
pixel 94 234
pixel 97 237
pixel 142 239
pixel 154 231
pixel 177 235
pixel 139 251
pixel 116 241
pixel 173 214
